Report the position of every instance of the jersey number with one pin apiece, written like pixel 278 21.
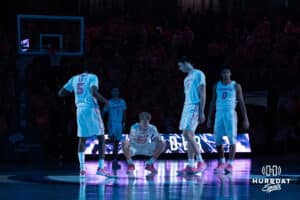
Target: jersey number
pixel 224 95
pixel 80 88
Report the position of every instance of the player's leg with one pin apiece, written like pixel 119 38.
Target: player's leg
pixel 190 137
pixel 220 150
pixel 97 126
pixel 157 148
pixel 232 133
pixel 117 135
pixel 232 151
pixel 112 132
pixel 221 161
pixel 188 125
pixel 191 154
pixel 194 121
pixel 115 164
pixel 126 149
pixel 115 149
pixel 82 133
pixel 101 150
pixel 128 156
pixel 190 151
pixel 219 130
pixel 81 156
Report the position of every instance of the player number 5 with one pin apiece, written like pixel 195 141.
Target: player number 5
pixel 80 88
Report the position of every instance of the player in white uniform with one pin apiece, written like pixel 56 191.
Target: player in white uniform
pixel 193 113
pixel 116 122
pixel 226 94
pixel 144 139
pixel 89 122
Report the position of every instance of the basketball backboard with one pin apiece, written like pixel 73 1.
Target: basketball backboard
pixel 36 34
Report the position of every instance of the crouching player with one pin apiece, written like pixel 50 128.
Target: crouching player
pixel 144 139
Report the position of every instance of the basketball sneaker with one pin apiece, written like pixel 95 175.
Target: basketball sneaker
pixel 201 166
pixel 151 168
pixel 187 170
pixel 103 172
pixel 228 168
pixel 220 168
pixel 130 168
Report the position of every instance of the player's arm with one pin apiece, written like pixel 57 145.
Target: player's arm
pixel 104 110
pixel 63 92
pixel 202 91
pixel 66 89
pixel 131 135
pixel 241 101
pixel 202 94
pixel 212 106
pixel 97 95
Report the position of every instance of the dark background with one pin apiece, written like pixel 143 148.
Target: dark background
pixel 136 44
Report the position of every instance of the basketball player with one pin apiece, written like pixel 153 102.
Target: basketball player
pixel 144 139
pixel 226 94
pixel 116 110
pixel 193 113
pixel 89 122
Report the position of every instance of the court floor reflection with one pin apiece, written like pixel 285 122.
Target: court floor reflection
pixel 167 185
pixel 64 183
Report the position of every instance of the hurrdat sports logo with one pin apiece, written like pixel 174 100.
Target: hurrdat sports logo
pixel 272 180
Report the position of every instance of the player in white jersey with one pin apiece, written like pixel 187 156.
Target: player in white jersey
pixel 193 113
pixel 116 122
pixel 89 122
pixel 226 94
pixel 144 139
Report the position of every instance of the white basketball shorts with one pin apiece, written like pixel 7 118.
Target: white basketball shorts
pixel 89 122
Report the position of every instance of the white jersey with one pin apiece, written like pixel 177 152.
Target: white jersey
pixel 191 86
pixel 226 96
pixel 140 136
pixel 81 86
pixel 115 110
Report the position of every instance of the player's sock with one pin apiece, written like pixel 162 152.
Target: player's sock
pixel 81 160
pixel 222 160
pixel 191 162
pixel 101 163
pixel 150 161
pixel 229 161
pixel 130 162
pixel 199 158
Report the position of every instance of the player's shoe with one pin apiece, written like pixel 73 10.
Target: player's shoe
pixel 130 168
pixel 201 166
pixel 228 168
pixel 187 170
pixel 220 168
pixel 103 172
pixel 151 168
pixel 82 173
pixel 116 165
